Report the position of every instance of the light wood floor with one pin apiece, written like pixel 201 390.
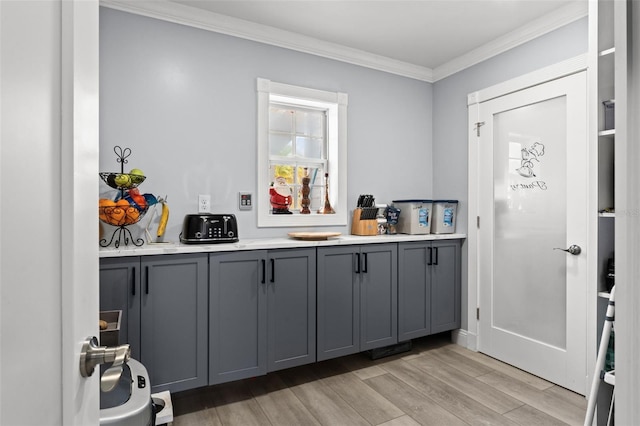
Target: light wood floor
pixel 436 383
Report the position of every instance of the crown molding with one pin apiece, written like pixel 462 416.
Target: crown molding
pixel 534 29
pixel 185 15
pixel 543 75
pixel 210 21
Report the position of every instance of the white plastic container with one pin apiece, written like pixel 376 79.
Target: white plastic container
pixel 444 216
pixel 415 216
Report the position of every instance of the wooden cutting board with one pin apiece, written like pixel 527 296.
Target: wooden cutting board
pixel 313 236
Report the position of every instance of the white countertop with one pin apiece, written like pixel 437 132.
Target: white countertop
pixel 266 243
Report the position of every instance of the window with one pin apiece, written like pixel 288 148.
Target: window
pixel 301 134
pixel 298 149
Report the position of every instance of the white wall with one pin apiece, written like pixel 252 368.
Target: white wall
pixel 450 178
pixel 184 100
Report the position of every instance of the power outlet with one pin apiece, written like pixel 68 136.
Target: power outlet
pixel 204 203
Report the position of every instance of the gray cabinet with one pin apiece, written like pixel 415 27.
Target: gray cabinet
pixel 445 286
pixel 198 319
pixel 120 290
pixel 174 314
pixel 428 288
pixel 237 316
pixel 262 312
pixel 357 299
pixel 338 302
pixel 164 304
pixel 291 308
pixel 378 296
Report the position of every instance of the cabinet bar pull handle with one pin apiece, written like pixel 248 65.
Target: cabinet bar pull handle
pixel 436 250
pixel 357 263
pixel 133 281
pixel 430 257
pixel 264 271
pixel 364 268
pixel 146 281
pixel 273 270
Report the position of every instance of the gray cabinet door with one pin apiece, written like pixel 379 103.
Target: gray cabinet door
pixel 428 288
pixel 291 311
pixel 414 290
pixel 445 286
pixel 357 299
pixel 338 302
pixel 238 316
pixel 174 321
pixel 378 296
pixel 120 290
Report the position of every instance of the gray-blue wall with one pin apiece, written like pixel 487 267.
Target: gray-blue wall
pixel 184 101
pixel 450 132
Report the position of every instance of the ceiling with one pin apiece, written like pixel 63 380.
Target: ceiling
pixel 425 39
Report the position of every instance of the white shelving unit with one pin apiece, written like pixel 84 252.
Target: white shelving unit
pixel 602 51
pixel 606 55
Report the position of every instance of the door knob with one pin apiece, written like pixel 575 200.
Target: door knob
pixel 93 355
pixel 573 249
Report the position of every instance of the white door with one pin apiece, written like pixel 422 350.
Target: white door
pixel 48 199
pixel 532 192
pixel 79 112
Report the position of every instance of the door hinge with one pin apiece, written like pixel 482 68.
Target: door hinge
pixel 478 314
pixel 478 221
pixel 477 127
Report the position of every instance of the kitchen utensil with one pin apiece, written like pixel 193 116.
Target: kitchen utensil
pixel 368 213
pixel 362 226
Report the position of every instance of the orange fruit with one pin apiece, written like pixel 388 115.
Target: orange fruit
pixel 132 215
pixel 106 202
pixel 105 206
pixel 116 217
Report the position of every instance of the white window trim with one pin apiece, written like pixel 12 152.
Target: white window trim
pixel 336 104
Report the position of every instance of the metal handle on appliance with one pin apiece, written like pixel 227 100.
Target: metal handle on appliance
pixel 573 249
pixel 93 355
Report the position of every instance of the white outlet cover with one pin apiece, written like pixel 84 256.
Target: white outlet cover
pixel 204 203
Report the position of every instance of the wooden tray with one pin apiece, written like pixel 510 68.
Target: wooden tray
pixel 313 236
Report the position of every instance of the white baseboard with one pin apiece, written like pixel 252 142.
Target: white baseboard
pixel 465 339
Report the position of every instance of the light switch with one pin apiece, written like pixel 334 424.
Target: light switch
pixel 245 201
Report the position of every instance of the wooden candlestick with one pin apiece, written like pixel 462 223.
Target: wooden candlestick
pixel 305 193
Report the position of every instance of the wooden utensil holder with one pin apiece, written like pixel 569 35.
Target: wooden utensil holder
pixel 363 227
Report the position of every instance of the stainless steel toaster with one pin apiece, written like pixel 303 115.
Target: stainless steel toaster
pixel 206 228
